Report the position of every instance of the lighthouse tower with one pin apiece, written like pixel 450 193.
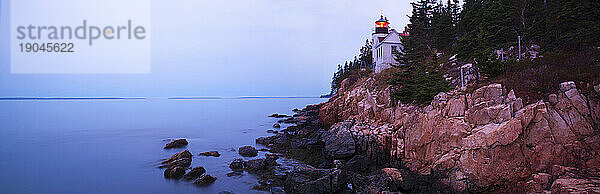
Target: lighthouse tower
pixel 381 30
pixel 386 42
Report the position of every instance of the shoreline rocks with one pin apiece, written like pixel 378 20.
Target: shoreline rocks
pixel 486 140
pixel 211 153
pixel 205 180
pixel 179 143
pixel 177 164
pixel 194 173
pixel 247 151
pixel 275 115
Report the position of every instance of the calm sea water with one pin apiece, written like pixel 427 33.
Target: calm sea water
pixel 114 146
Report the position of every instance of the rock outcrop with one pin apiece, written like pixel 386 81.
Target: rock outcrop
pixel 177 164
pixel 194 173
pixel 306 179
pixel 179 143
pixel 484 140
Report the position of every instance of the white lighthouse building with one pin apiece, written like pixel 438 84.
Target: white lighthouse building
pixel 386 42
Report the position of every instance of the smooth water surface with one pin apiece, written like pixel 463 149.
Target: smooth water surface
pixel 114 146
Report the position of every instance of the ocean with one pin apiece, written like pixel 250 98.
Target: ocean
pixel 115 145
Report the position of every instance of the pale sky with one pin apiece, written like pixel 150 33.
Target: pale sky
pixel 226 48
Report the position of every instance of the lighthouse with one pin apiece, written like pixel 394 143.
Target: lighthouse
pixel 386 42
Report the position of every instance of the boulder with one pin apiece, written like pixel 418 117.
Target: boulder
pixel 264 140
pixel 183 162
pixel 211 153
pixel 183 159
pixel 276 125
pixel 275 115
pixel 237 164
pixel 179 143
pixel 358 163
pixel 204 180
pixel 182 154
pixel 277 190
pixel 174 172
pixel 306 179
pixel 271 159
pixel 385 180
pixel 194 173
pixel 339 142
pixel 257 165
pixel 248 151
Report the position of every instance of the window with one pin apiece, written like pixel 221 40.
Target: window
pixel 393 49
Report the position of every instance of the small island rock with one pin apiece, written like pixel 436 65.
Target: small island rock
pixel 211 153
pixel 237 164
pixel 174 172
pixel 205 179
pixel 248 151
pixel 194 173
pixel 179 143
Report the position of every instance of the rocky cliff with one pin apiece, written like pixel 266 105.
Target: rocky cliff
pixel 483 140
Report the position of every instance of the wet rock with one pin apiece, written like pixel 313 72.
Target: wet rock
pixel 257 165
pixel 174 172
pixel 358 163
pixel 183 159
pixel 194 173
pixel 277 190
pixel 179 143
pixel 235 173
pixel 248 151
pixel 385 180
pixel 272 131
pixel 264 150
pixel 276 125
pixel 339 142
pixel 211 153
pixel 204 180
pixel 271 159
pixel 264 140
pixel 275 115
pixel 237 165
pixel 183 162
pixel 306 143
pixel 305 179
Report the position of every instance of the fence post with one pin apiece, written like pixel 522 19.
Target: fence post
pixel 462 78
pixel 519 48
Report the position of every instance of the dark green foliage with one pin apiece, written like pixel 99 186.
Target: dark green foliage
pixel 419 44
pixel 418 83
pixel 432 28
pixel 486 25
pixel 364 60
pixel 494 68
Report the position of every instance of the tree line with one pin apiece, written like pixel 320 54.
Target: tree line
pixel 478 27
pixel 473 30
pixel 363 60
